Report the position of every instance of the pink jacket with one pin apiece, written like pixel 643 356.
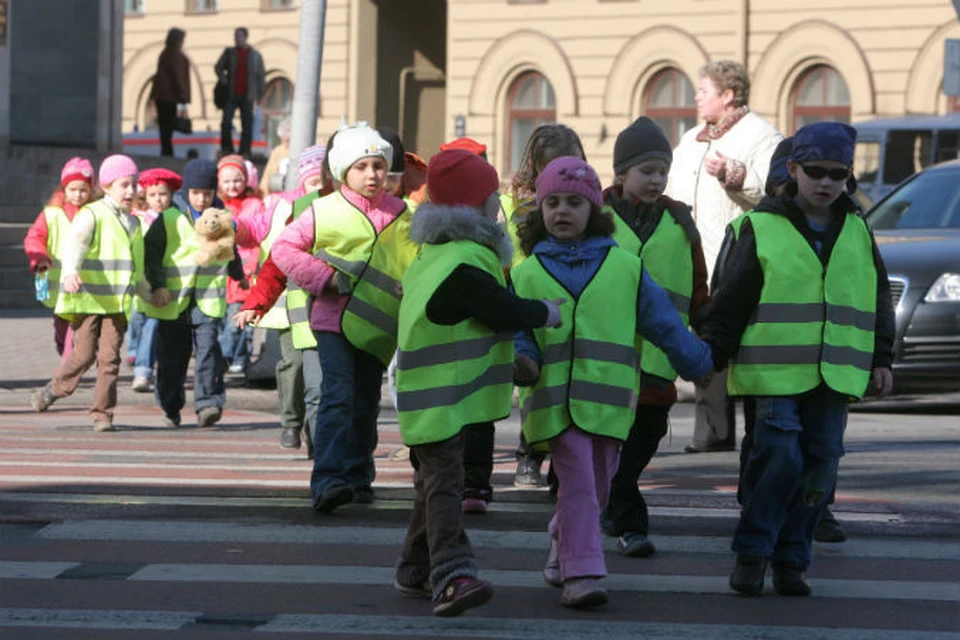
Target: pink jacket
pixel 245 211
pixel 292 253
pixel 256 226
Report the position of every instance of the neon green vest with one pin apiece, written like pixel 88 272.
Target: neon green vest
pixel 590 371
pixel 276 317
pixel 109 271
pixel 514 212
pixel 448 376
pixel 811 324
pixel 58 226
pixel 369 320
pixel 298 300
pixel 185 279
pixel 667 258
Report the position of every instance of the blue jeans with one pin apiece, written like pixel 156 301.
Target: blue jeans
pixel 134 330
pixel 345 433
pixel 246 124
pixel 792 469
pixel 146 350
pixel 175 340
pixel 235 342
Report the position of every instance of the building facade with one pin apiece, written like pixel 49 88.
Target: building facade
pixel 495 69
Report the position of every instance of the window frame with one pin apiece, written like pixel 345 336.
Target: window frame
pixel 824 111
pixel 269 113
pixel 192 8
pixel 673 113
pixel 537 115
pixel 134 12
pixel 269 5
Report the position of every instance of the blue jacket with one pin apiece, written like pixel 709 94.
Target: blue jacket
pixel 574 264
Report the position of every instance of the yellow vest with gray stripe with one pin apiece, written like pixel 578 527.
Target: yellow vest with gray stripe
pixel 58 226
pixel 667 258
pixel 276 317
pixel 590 371
pixel 812 323
pixel 185 279
pixel 110 269
pixel 448 376
pixel 370 318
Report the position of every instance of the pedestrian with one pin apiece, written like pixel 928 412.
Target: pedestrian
pixel 240 198
pixel 157 187
pixel 324 252
pixel 805 316
pixel 46 239
pixel 275 171
pixel 298 372
pixel 240 67
pixel 662 232
pixel 563 406
pixel 101 271
pixel 454 368
pixel 546 143
pixel 191 302
pixel 719 169
pixel 171 87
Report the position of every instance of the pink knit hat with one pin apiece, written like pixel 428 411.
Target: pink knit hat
pixel 115 167
pixel 76 168
pixel 253 176
pixel 572 175
pixel 310 162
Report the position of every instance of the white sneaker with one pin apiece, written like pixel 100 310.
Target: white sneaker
pixel 236 368
pixel 141 384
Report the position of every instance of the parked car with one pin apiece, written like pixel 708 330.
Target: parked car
pixel 917 227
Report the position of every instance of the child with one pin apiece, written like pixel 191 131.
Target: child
pixel 662 232
pixel 454 314
pixel 567 408
pixel 102 266
pixel 801 358
pixel 237 195
pixel 44 243
pixel 324 253
pixel 157 187
pixel 190 301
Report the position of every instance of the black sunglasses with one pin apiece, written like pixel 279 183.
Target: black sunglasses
pixel 837 175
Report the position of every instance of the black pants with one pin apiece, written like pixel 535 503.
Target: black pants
pixel 166 114
pixel 626 507
pixel 246 125
pixel 478 460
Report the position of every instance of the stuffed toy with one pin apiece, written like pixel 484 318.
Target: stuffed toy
pixel 215 236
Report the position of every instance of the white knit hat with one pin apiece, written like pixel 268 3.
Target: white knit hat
pixel 354 142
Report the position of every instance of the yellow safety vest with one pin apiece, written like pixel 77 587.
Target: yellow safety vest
pixel 58 227
pixel 276 317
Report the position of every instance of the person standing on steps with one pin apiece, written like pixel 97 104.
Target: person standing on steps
pixel 241 68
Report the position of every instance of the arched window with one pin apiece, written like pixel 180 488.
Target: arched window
pixel 668 101
pixel 530 103
pixel 820 94
pixel 277 103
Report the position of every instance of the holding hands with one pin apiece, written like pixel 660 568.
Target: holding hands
pixel 242 319
pixel 525 371
pixel 161 297
pixel 554 319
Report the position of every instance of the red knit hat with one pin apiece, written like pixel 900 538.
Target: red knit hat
pixel 467 144
pixel 151 177
pixel 458 177
pixel 235 161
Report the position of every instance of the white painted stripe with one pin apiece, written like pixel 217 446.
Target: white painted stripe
pixel 363 575
pixel 18 570
pixel 187 531
pixel 95 619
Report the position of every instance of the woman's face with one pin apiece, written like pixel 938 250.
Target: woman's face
pixel 712 104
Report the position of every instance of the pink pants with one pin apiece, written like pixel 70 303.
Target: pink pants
pixel 584 464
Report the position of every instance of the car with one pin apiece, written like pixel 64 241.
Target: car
pixel 917 227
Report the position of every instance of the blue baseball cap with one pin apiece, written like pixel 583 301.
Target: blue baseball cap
pixel 824 141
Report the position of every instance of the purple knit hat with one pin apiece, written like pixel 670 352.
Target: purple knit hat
pixel 572 175
pixel 115 167
pixel 310 162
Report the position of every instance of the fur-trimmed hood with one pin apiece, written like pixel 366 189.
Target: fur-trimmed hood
pixel 438 224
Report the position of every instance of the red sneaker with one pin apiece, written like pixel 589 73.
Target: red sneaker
pixel 462 594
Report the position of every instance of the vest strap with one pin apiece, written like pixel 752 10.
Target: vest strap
pixel 446 353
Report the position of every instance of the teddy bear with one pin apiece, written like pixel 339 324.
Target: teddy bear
pixel 215 236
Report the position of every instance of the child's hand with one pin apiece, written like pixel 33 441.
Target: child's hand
pixel 245 285
pixel 883 381
pixel 160 298
pixel 525 371
pixel 72 283
pixel 245 317
pixel 42 265
pixel 554 319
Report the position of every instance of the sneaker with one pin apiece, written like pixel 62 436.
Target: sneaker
pixel 403 453
pixel 747 576
pixel 171 420
pixel 607 527
pixel 131 360
pixel 828 529
pixel 474 505
pixel 461 594
pixel 790 580
pixel 421 590
pixel 236 369
pixel 551 571
pixel 334 497
pixel 41 399
pixel 103 424
pixel 208 416
pixel 290 437
pixel 635 545
pixel 580 593
pixel 528 473
pixel 364 495
pixel 140 384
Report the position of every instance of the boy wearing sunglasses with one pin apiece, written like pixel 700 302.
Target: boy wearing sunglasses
pixel 804 316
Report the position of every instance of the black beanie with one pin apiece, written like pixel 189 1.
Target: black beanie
pixel 642 140
pixel 398 164
pixel 200 173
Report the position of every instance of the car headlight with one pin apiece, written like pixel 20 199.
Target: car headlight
pixel 945 289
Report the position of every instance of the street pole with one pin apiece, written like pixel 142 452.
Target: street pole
pixel 306 91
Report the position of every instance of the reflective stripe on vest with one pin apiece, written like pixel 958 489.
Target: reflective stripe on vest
pixel 812 324
pixel 668 259
pixel 448 376
pixel 370 318
pixel 298 312
pixel 590 371
pixel 58 226
pixel 109 271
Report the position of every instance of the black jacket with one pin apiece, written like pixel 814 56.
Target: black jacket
pixel 738 280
